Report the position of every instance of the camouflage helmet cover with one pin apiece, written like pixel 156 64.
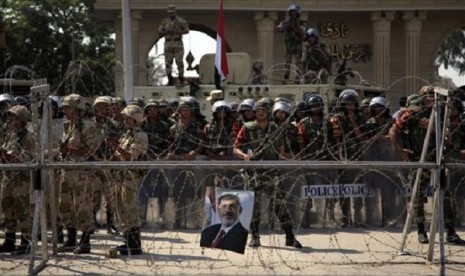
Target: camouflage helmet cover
pixel 74 100
pixel 21 112
pixel 133 111
pixel 171 8
pixel 102 100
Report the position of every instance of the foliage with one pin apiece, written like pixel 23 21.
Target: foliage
pixel 59 40
pixel 452 51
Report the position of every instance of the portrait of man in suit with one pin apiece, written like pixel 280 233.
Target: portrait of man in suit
pixel 230 234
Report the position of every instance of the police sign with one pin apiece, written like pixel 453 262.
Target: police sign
pixel 336 191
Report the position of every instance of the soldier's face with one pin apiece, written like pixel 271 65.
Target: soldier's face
pixel 261 114
pixel 70 112
pixel 281 115
pixel 13 122
pixel 185 113
pixel 117 108
pixel 129 122
pixel 152 111
pixel 172 14
pixel 102 110
pixel 228 211
pixel 248 114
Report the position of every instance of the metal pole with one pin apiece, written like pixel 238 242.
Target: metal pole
pixel 127 50
pixel 416 185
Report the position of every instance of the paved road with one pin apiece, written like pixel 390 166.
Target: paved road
pixel 325 252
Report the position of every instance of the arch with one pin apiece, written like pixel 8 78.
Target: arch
pixel 443 37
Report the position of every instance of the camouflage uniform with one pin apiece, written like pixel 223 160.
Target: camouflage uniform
pixel 265 144
pixel 293 37
pixel 76 197
pixel 18 144
pixel 173 28
pixel 316 59
pixel 409 130
pixel 349 137
pixel 132 146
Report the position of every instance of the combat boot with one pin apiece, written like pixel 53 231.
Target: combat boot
pixel 454 239
pixel 24 247
pixel 71 242
pixel 8 244
pixel 133 244
pixel 84 244
pixel 60 234
pixel 290 238
pixel 422 236
pixel 170 80
pixel 255 242
pixel 111 228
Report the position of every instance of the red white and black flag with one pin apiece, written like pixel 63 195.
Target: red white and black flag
pixel 221 62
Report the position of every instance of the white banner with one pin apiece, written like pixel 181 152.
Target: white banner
pixel 336 191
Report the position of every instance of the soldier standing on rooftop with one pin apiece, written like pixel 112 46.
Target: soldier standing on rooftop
pixel 172 28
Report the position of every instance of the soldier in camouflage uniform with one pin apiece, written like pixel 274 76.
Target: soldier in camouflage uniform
pixel 281 113
pixel 157 131
pixel 349 134
pixel 261 140
pixel 18 147
pixel 106 131
pixel 78 144
pixel 132 146
pixel 314 135
pixel 408 135
pixel 186 143
pixel 172 28
pixel 316 58
pixel 294 34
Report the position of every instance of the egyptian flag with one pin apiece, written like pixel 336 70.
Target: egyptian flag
pixel 221 62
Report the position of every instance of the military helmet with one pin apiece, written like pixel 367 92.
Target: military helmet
pixel 57 100
pixel 426 90
pixel 246 104
pixel 74 100
pixel 300 106
pixel 281 106
pixel 162 103
pixel 314 100
pixel 151 102
pixel 313 31
pixel 102 100
pixel 261 104
pixel 379 101
pixel 183 104
pixel 21 112
pixel 173 103
pixel 348 96
pixel 20 100
pixel 294 7
pixel 8 98
pixel 171 8
pixel 365 102
pixel 221 104
pixel 137 101
pixel 133 111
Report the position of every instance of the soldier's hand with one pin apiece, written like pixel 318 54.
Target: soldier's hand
pixel 190 156
pixel 405 154
pixel 424 123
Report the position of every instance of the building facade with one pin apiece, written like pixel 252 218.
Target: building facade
pixel 390 43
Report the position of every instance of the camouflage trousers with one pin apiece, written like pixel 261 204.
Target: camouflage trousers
pixel 16 202
pixel 76 198
pixel 103 186
pixel 293 50
pixel 127 199
pixel 269 184
pixel 174 50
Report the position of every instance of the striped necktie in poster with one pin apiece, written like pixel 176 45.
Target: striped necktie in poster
pixel 218 238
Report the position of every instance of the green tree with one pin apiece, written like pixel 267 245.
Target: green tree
pixel 452 51
pixel 60 40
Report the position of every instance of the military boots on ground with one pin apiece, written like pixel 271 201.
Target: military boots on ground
pixel 132 244
pixel 84 244
pixel 111 228
pixel 422 236
pixel 71 243
pixel 8 244
pixel 255 241
pixel 24 247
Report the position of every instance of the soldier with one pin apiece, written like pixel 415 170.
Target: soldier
pixel 365 108
pixel 157 131
pixel 316 58
pixel 408 135
pixel 132 146
pixel 380 121
pixel 281 113
pixel 172 28
pixel 78 144
pixel 107 131
pixel 300 112
pixel 258 77
pixel 186 143
pixel 245 114
pixel 294 34
pixel 215 95
pixel 6 101
pixel 18 147
pixel 261 140
pixel 349 134
pixel 314 135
